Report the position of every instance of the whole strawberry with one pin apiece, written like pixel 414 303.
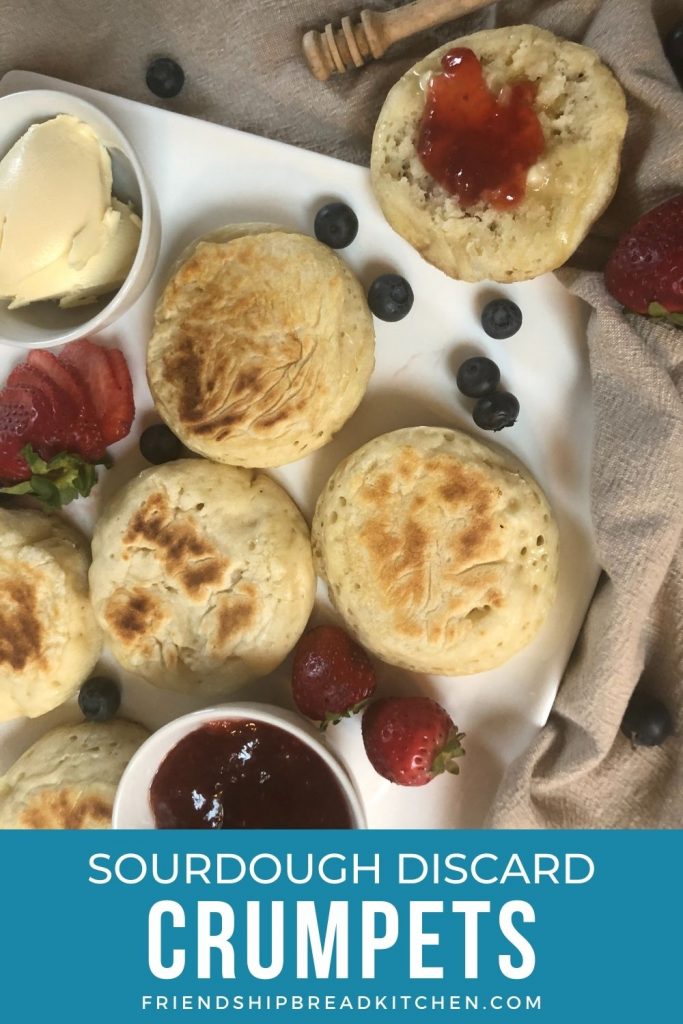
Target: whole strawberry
pixel 645 271
pixel 332 677
pixel 410 740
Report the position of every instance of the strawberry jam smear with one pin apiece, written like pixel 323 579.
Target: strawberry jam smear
pixel 476 144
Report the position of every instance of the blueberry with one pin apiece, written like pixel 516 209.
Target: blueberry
pixel 336 225
pixel 647 722
pixel 390 297
pixel 501 318
pixel 159 444
pixel 493 412
pixel 165 77
pixel 478 376
pixel 673 48
pixel 99 699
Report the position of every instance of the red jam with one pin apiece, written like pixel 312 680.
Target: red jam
pixel 477 145
pixel 245 774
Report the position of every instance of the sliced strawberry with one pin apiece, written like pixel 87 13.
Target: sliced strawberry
pixel 64 409
pixel 46 403
pixel 65 431
pixel 125 409
pixel 85 437
pixel 13 467
pixel 90 363
pixel 41 432
pixel 32 376
pixel 17 412
pixel 119 367
pixel 81 389
pixel 62 375
pixel 113 405
pixel 86 440
pixel 25 418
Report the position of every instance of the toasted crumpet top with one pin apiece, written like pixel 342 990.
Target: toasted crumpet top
pixel 262 347
pixel 68 778
pixel 439 552
pixel 202 576
pixel 49 640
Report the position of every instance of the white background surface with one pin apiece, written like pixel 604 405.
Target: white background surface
pixel 206 176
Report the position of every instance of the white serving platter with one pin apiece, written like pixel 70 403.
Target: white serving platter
pixel 206 176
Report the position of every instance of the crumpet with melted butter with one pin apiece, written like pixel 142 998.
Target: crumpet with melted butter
pixel 579 109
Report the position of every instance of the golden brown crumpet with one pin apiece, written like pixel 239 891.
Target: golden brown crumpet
pixel 262 348
pixel 582 112
pixel 49 640
pixel 202 576
pixel 439 552
pixel 68 778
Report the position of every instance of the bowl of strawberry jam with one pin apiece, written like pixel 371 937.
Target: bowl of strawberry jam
pixel 239 766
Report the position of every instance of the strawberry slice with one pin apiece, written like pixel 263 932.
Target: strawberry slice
pixel 13 467
pixel 72 428
pixel 47 411
pixel 84 436
pixel 112 403
pixel 25 418
pixel 55 423
pixel 25 412
pixel 119 367
pixel 32 377
pixel 41 433
pixel 89 362
pixel 64 411
pixel 86 439
pixel 125 401
pixel 17 412
pixel 68 426
pixel 62 375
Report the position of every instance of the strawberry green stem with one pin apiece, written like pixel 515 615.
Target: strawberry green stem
pixel 446 759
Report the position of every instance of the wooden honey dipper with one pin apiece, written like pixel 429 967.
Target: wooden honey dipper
pixel 335 51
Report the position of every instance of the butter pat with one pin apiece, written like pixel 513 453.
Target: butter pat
pixel 62 234
pixel 538 177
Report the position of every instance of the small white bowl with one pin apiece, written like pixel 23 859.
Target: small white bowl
pixel 132 807
pixel 44 324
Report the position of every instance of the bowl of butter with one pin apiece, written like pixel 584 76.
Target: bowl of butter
pixel 79 226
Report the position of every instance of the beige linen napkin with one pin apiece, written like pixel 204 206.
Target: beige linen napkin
pixel 243 66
